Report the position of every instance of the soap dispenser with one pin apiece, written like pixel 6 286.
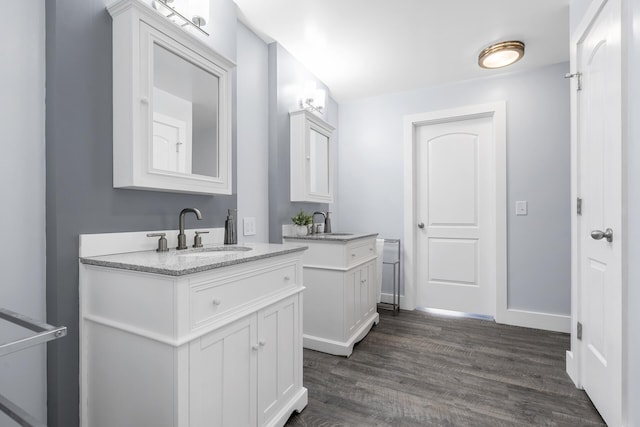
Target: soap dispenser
pixel 327 223
pixel 230 235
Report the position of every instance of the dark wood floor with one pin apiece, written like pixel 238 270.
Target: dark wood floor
pixel 418 369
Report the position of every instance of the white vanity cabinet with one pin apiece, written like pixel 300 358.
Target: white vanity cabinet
pixel 339 277
pixel 311 158
pixel 221 347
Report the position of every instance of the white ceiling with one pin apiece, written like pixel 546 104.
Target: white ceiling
pixel 361 48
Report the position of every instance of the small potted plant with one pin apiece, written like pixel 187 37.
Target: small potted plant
pixel 302 221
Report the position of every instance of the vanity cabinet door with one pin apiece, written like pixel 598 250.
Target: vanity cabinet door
pixel 222 376
pixel 279 357
pixel 352 288
pixel 368 293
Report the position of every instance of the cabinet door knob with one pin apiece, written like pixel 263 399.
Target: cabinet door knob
pixel 144 100
pixel 287 278
pixel 262 343
pixel 216 302
pixel 255 347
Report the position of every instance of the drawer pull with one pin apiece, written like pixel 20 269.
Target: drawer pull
pixel 216 302
pixel 370 249
pixel 353 255
pixel 287 278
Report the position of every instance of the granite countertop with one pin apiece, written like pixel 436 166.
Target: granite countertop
pixel 180 263
pixel 338 237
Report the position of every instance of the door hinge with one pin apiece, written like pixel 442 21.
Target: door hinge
pixel 579 331
pixel 579 206
pixel 572 75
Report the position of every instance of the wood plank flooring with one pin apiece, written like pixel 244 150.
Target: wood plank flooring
pixel 418 369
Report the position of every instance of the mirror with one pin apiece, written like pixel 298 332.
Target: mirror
pixel 172 106
pixel 185 116
pixel 311 162
pixel 318 162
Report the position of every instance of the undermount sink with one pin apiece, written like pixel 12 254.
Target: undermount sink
pixel 218 251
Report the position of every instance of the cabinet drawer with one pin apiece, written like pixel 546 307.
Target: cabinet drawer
pixel 211 300
pixel 360 252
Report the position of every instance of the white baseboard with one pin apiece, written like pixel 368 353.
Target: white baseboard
pixel 388 299
pixel 535 320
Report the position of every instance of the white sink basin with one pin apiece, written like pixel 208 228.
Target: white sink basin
pixel 219 251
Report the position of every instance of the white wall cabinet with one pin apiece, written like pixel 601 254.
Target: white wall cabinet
pixel 341 308
pixel 311 158
pixel 216 348
pixel 172 106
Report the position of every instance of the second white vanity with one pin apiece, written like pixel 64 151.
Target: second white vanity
pixel 199 337
pixel 340 296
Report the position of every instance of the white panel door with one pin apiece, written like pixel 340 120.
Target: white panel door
pixel 599 185
pixel 169 149
pixel 456 216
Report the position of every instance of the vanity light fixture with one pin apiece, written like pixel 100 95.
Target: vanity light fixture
pixel 501 54
pixel 313 101
pixel 198 8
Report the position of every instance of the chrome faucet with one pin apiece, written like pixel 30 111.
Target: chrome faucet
pixel 313 226
pixel 182 239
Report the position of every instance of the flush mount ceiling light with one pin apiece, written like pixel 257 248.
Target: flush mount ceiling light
pixel 501 54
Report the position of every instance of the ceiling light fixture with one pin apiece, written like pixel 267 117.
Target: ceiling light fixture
pixel 501 54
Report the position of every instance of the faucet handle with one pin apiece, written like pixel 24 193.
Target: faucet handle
pixel 197 241
pixel 162 241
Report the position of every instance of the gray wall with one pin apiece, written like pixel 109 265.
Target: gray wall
pixel 79 193
pixel 253 133
pixel 22 189
pixel 371 173
pixel 286 74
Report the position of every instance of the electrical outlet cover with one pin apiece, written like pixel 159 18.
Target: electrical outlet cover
pixel 249 226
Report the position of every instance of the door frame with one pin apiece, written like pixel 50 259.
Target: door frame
pixel 497 111
pixel 574 356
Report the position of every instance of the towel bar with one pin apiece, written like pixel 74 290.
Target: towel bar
pixel 44 333
pixel 395 304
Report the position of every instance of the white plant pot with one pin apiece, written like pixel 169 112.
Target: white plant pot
pixel 301 230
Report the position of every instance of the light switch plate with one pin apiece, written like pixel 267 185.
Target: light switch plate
pixel 521 207
pixel 249 226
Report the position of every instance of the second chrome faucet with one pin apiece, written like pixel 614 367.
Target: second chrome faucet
pixel 182 238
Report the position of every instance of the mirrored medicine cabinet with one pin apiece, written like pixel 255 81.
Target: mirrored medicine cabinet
pixel 171 106
pixel 311 158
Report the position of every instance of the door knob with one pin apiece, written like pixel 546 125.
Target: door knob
pixel 421 225
pixel 599 234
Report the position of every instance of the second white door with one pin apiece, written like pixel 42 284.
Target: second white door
pixel 456 199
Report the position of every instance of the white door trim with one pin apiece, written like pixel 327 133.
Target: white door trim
pixel 497 111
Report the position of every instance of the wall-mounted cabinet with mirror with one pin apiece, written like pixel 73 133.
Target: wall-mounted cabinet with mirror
pixel 311 158
pixel 171 106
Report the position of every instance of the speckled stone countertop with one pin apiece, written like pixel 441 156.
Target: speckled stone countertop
pixel 338 237
pixel 188 261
